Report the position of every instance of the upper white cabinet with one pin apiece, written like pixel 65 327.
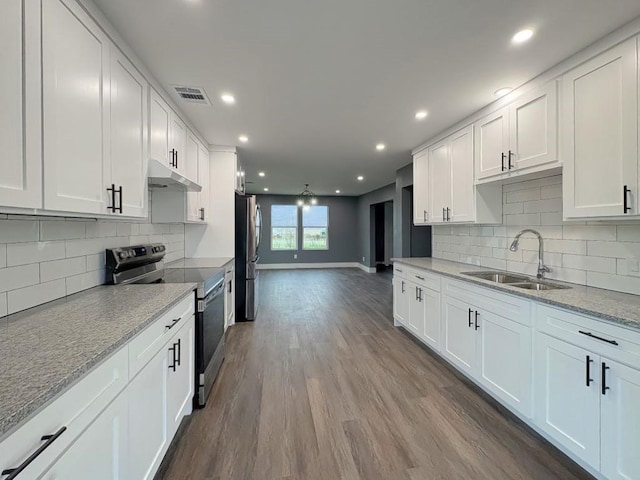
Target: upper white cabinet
pixel 444 178
pixel 519 138
pixel 421 189
pixel 20 182
pixel 178 149
pixel 128 135
pixel 204 172
pixel 159 129
pixel 75 77
pixel 600 135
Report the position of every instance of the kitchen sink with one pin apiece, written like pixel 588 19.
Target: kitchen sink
pixel 498 277
pixel 539 286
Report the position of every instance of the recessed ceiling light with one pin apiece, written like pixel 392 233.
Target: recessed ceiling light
pixel 522 36
pixel 243 138
pixel 421 115
pixel 337 191
pixel 380 147
pixel 360 178
pixel 501 92
pixel 261 174
pixel 266 189
pixel 228 98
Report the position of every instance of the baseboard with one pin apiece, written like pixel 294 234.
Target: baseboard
pixel 364 268
pixel 293 266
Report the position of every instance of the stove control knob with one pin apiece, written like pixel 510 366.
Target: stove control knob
pixel 122 255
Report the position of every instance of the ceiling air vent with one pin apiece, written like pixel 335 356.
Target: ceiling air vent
pixel 192 94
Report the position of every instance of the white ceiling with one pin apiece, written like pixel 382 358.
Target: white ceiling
pixel 319 83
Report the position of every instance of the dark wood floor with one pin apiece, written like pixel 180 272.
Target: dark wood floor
pixel 322 386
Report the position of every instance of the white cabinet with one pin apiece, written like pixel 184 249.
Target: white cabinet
pixel 75 86
pixel 180 376
pixel 204 180
pixel 519 138
pixel 415 321
pixel 179 143
pixel 421 213
pixel 229 297
pixel 439 182
pixel 459 342
pixel 620 425
pixel 462 203
pixel 20 182
pixel 431 313
pixel 600 135
pixel 102 451
pixel 159 129
pixel 193 198
pixel 128 135
pixel 401 300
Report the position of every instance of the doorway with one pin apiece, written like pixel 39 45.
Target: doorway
pixel 416 240
pixel 382 234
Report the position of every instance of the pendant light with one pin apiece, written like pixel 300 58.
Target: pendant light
pixel 307 197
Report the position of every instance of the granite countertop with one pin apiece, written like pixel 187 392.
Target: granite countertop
pixel 616 307
pixel 213 262
pixel 46 349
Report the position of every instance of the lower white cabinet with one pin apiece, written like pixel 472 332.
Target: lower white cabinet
pixel 431 312
pixel 459 342
pixel 401 300
pixel 180 376
pixel 229 296
pixel 415 322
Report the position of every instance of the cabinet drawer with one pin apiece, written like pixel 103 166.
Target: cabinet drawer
pixel 74 410
pixel 423 278
pixel 508 306
pixel 617 343
pixel 149 342
pixel 400 270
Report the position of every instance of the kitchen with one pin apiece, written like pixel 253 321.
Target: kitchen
pixel 233 245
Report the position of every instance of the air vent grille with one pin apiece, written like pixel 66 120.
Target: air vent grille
pixel 192 94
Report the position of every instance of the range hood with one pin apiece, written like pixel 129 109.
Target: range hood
pixel 161 176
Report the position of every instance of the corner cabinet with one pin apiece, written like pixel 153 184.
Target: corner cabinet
pixel 20 97
pixel 519 138
pixel 600 135
pixel 443 183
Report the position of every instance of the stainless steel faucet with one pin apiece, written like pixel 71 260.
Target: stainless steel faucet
pixel 542 268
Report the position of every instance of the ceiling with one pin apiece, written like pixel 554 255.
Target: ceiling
pixel 319 83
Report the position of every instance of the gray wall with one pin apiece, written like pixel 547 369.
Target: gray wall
pixel 365 237
pixel 343 219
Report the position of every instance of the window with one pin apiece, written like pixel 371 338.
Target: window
pixel 284 227
pixel 315 228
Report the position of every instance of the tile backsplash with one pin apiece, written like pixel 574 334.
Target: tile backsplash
pixel 599 254
pixel 45 258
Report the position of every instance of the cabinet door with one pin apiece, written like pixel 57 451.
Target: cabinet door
pixel 101 452
pixel 459 341
pixel 179 142
pixel 421 188
pixel 600 134
pixel 75 67
pixel 533 130
pixel 204 181
pixel 620 434
pixel 180 376
pixel 401 300
pixel 159 129
pixel 565 407
pixel 416 308
pixel 229 307
pixel 128 135
pixel 492 143
pixel 439 182
pixel 462 185
pixel 20 182
pixel 432 318
pixel 148 417
pixel 193 198
pixel 505 360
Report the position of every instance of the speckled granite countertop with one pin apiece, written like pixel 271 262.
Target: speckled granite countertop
pixel 616 307
pixel 46 349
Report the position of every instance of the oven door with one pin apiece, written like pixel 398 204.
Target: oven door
pixel 209 341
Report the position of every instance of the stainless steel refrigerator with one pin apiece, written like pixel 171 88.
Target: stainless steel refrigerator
pixel 248 235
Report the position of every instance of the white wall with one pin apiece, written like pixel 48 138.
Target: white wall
pixel 589 253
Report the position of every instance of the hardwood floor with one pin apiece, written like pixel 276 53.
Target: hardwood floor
pixel 322 386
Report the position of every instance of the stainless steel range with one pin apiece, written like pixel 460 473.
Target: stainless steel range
pixel 144 264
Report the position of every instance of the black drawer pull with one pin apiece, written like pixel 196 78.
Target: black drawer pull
pixel 173 323
pixel 174 359
pixel 625 192
pixel 503 159
pixel 588 364
pixel 419 277
pixel 470 321
pixel 510 155
pixel 477 326
pixel 604 378
pixel 179 351
pixel 589 334
pixel 398 270
pixel 48 439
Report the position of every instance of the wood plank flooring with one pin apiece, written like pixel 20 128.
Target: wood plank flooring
pixel 322 386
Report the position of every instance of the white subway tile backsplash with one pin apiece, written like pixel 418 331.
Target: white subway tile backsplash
pixel 61 230
pixel 101 229
pixel 96 261
pixel 601 254
pixel 77 283
pixel 24 253
pixel 15 231
pixel 3 304
pixel 3 256
pixel 12 278
pixel 62 268
pixel 28 297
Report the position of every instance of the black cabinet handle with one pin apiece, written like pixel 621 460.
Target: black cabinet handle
pixel 202 214
pixel 419 277
pixel 176 158
pixel 230 283
pixel 448 218
pixel 443 217
pixel 588 375
pixel 503 159
pixel 477 326
pixel 112 191
pixel 172 349
pixel 398 270
pixel 511 154
pixel 604 378
pixel 625 196
pixel 470 321
pixel 172 162
pixel 402 286
pixel 589 334
pixel 173 323
pixel 417 296
pixel 119 191
pixel 420 295
pixel 48 439
pixel 179 351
